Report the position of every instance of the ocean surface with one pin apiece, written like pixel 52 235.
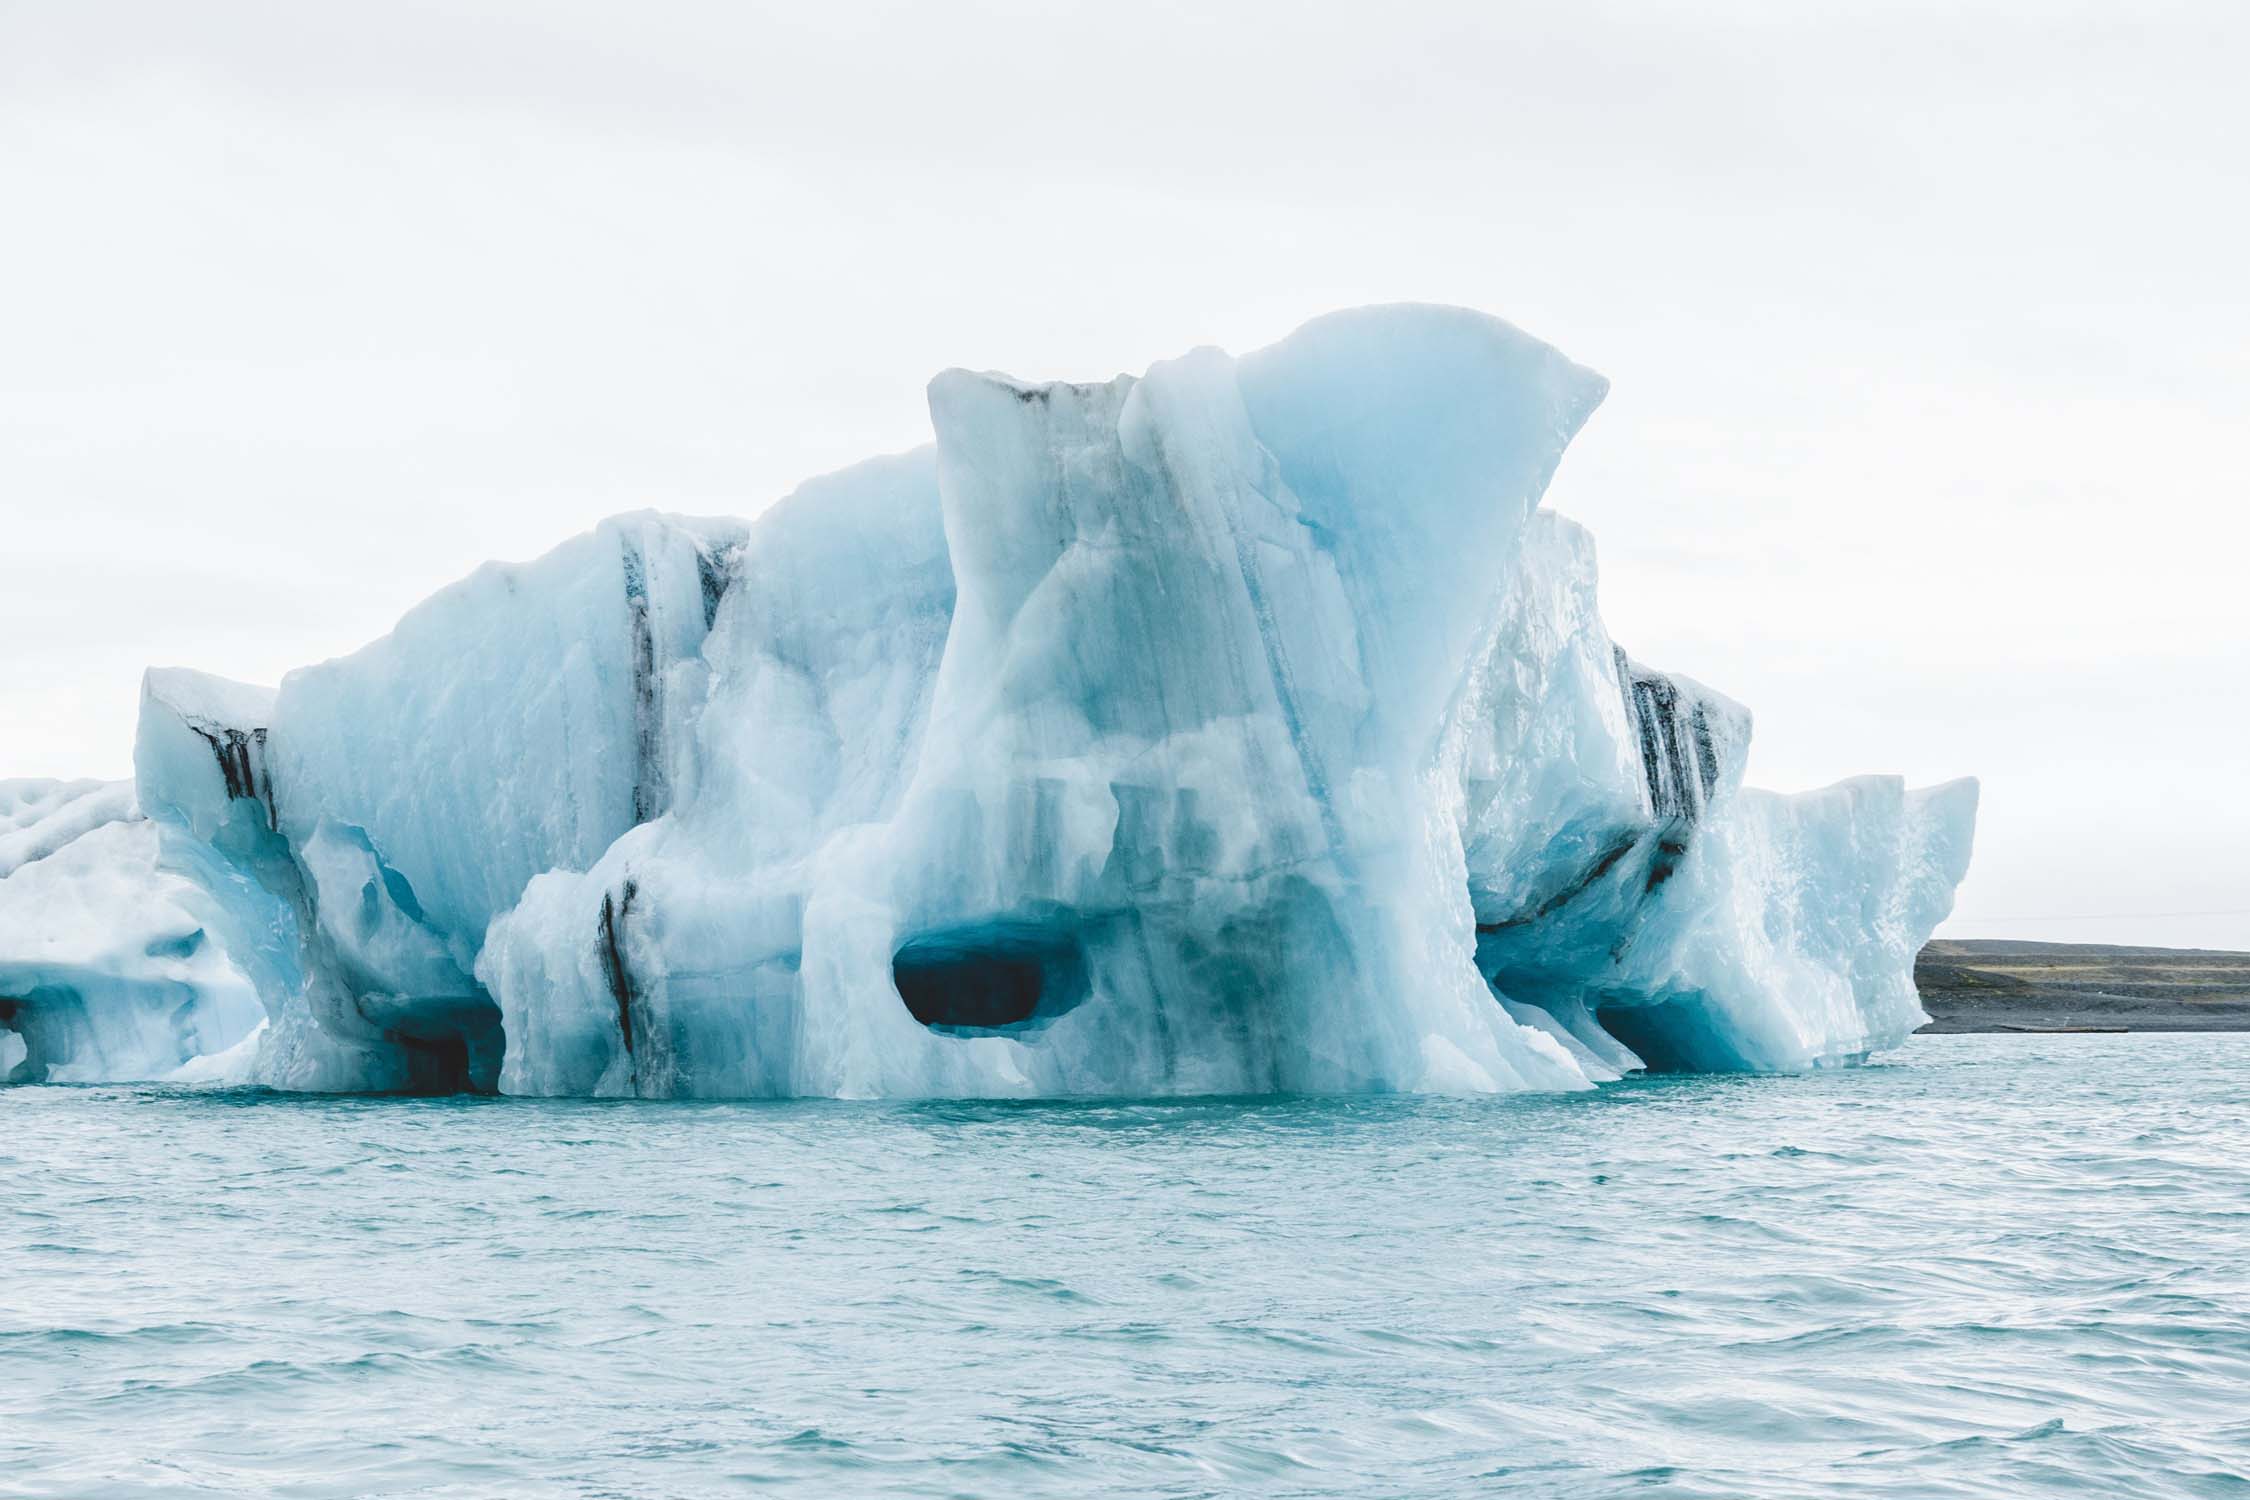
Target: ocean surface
pixel 1988 1266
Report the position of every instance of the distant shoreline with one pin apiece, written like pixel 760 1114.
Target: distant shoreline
pixel 2000 985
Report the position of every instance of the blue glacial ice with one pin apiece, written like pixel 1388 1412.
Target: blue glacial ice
pixel 1243 726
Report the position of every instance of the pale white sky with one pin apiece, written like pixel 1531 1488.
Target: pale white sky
pixel 1929 328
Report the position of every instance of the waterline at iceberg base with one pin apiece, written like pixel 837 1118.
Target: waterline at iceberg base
pixel 1244 726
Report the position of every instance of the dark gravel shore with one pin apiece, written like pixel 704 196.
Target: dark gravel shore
pixel 1999 985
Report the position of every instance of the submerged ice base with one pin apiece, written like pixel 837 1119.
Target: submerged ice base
pixel 1243 726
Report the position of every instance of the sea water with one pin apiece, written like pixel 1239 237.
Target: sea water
pixel 1990 1266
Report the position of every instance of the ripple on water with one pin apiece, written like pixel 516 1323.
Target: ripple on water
pixel 1987 1267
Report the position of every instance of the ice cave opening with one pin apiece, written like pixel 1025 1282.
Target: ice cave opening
pixel 1682 1034
pixel 452 1047
pixel 993 977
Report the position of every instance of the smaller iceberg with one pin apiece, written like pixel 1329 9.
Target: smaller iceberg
pixel 108 966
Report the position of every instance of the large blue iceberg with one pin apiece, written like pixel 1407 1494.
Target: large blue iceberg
pixel 1242 726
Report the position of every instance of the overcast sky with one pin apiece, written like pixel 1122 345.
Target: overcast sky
pixel 1929 328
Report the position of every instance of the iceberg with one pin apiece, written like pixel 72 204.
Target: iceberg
pixel 1241 726
pixel 108 965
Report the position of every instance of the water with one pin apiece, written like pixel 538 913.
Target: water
pixel 1990 1266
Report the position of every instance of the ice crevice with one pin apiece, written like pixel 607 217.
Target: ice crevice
pixel 1242 725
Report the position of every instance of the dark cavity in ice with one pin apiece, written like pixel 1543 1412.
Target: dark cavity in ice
pixel 989 978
